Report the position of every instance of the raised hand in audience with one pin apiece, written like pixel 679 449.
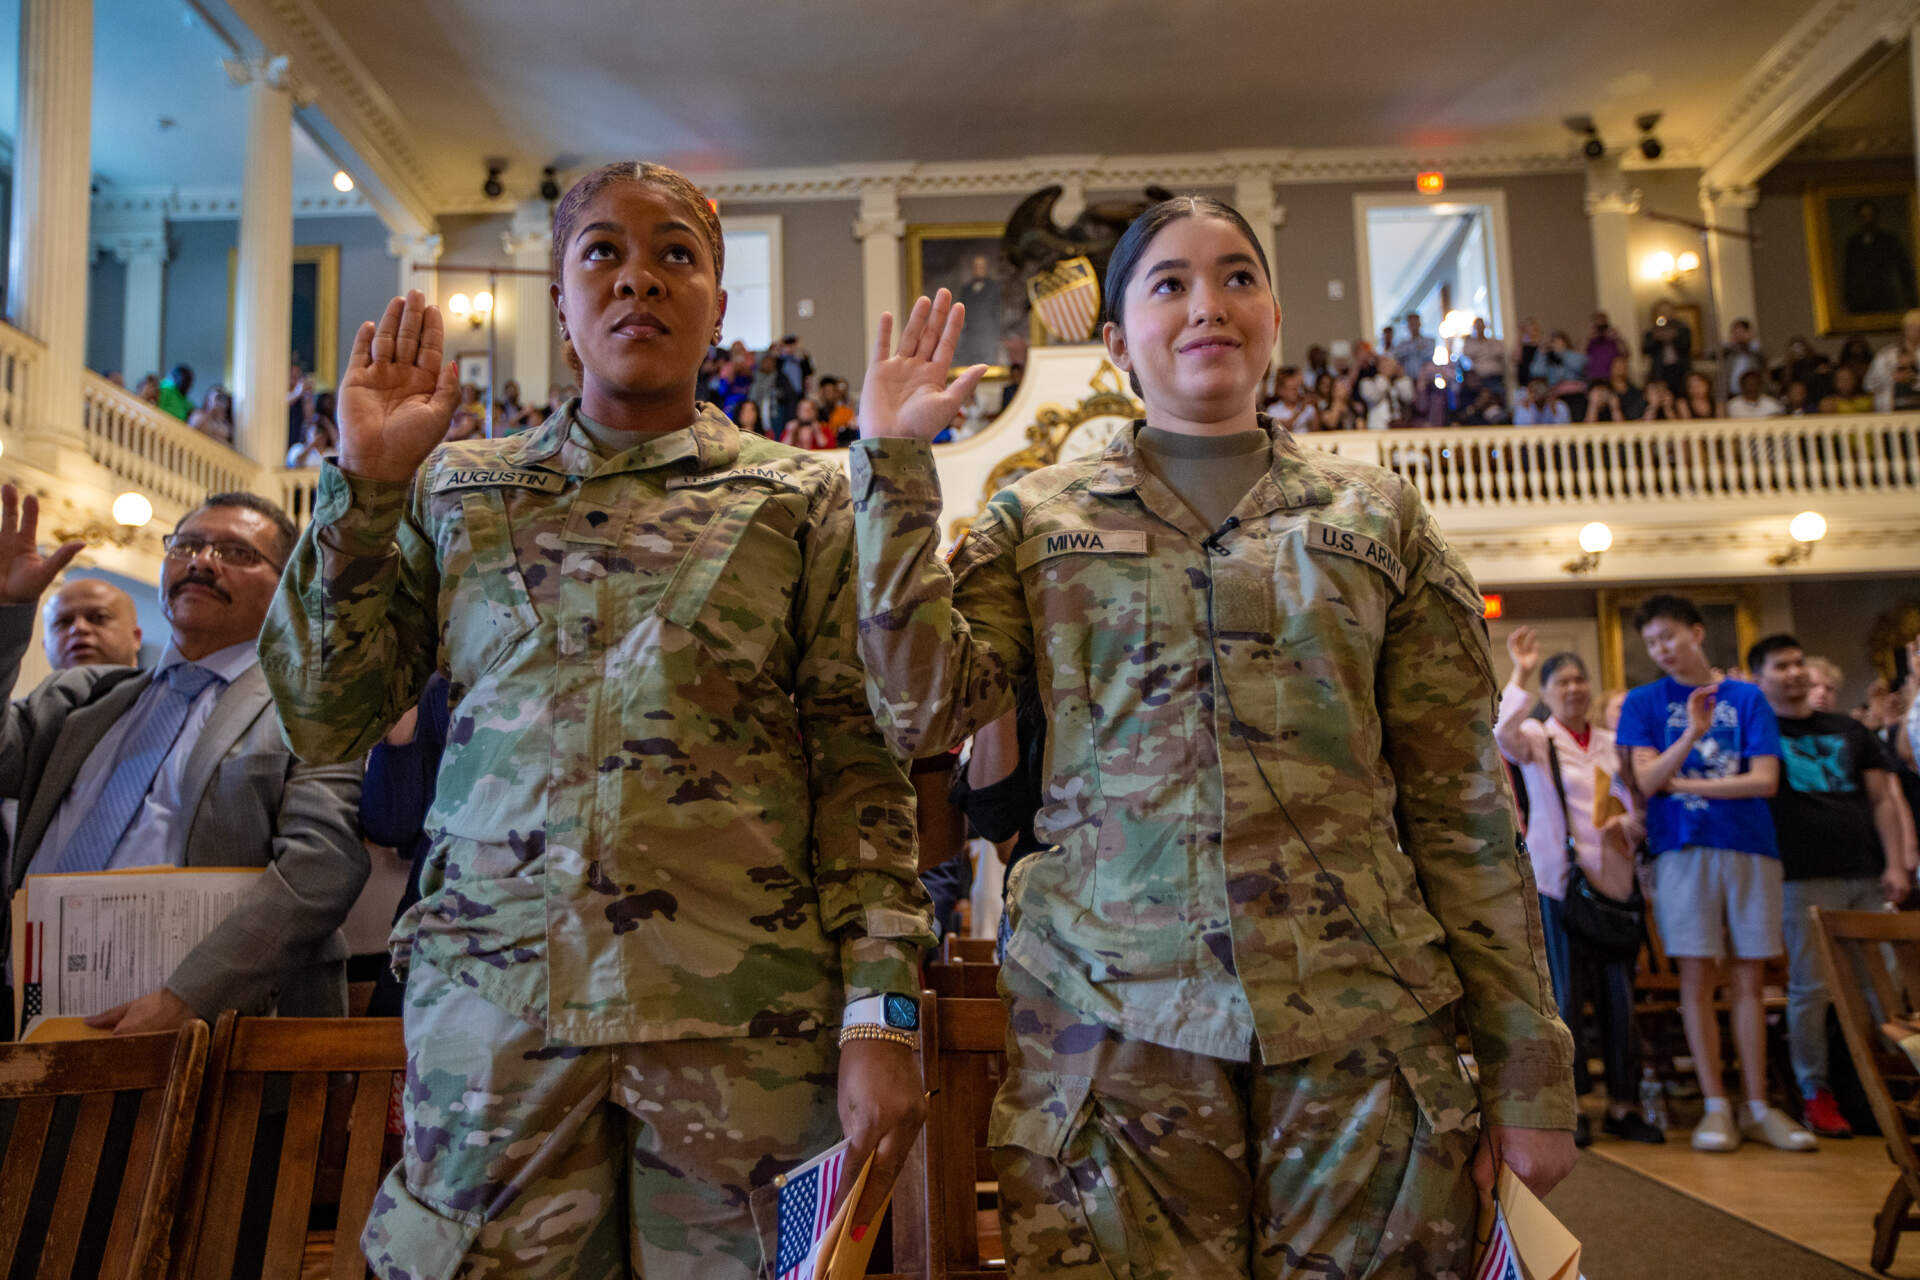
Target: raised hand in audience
pixel 25 574
pixel 396 398
pixel 906 394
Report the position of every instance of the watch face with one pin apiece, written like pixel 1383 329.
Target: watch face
pixel 902 1012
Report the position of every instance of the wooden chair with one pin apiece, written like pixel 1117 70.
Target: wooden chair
pixel 969 1060
pixel 955 949
pixel 910 1241
pixel 255 1064
pixel 1850 945
pixel 99 1197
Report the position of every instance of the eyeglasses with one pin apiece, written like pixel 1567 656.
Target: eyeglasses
pixel 238 555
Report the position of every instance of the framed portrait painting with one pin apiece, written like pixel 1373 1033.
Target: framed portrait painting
pixel 314 330
pixel 1861 243
pixel 964 257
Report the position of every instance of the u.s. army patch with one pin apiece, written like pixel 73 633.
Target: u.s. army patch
pixel 771 475
pixel 497 477
pixel 1097 542
pixel 1345 542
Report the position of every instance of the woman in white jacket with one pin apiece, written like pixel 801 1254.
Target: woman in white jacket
pixel 1560 823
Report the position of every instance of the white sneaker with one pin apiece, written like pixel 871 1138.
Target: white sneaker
pixel 1776 1130
pixel 1717 1132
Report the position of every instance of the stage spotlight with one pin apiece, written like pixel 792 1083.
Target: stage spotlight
pixel 493 188
pixel 549 186
pixel 1649 145
pixel 1583 125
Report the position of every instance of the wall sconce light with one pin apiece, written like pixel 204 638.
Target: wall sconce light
pixel 1595 539
pixel 474 310
pixel 132 512
pixel 1671 268
pixel 1805 529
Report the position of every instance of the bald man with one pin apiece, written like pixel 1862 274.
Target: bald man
pixel 91 623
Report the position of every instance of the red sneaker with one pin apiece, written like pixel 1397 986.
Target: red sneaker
pixel 1822 1115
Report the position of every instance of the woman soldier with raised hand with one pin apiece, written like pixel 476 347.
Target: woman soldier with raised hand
pixel 1285 858
pixel 670 850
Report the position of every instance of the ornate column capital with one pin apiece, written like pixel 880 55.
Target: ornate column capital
pixel 1620 200
pixel 270 73
pixel 530 230
pixel 416 248
pixel 130 247
pixel 1742 197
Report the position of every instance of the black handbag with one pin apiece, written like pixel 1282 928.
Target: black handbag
pixel 1609 928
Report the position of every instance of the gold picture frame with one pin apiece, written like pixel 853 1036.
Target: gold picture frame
pixel 935 251
pixel 1862 285
pixel 1733 625
pixel 325 310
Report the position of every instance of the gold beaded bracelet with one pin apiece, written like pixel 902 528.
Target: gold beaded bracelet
pixel 874 1031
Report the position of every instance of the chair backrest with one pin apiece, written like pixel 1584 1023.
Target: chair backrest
pixel 95 1149
pixel 270 1110
pixel 955 949
pixel 1854 947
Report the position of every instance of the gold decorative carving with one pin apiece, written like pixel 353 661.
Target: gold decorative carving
pixel 1053 424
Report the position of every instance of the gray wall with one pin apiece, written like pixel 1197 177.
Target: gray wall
pixel 198 293
pixel 106 318
pixel 1835 617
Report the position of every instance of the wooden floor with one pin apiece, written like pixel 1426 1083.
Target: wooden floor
pixel 1824 1199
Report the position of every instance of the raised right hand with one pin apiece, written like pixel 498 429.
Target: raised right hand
pixel 906 393
pixel 396 399
pixel 1523 646
pixel 25 574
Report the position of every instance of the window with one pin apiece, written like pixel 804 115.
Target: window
pixel 1434 257
pixel 752 280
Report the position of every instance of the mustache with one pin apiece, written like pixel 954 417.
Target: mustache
pixel 192 579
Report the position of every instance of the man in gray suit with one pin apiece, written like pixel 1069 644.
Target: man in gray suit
pixel 185 766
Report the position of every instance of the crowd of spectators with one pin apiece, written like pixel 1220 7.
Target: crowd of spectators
pixel 1736 800
pixel 1408 378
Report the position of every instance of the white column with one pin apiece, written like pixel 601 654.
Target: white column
pixel 415 252
pixel 1253 197
pixel 879 231
pixel 47 261
pixel 529 239
pixel 263 285
pixel 1913 83
pixel 1611 204
pixel 1731 258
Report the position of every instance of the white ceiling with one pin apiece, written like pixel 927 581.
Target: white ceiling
pixel 733 84
pixel 726 84
pixel 154 59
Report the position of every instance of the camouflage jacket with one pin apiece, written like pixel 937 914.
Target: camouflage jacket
pixel 664 810
pixel 1181 905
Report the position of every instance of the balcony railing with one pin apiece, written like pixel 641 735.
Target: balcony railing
pixel 18 355
pixel 155 451
pixel 1480 471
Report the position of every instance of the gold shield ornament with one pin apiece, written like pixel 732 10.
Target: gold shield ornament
pixel 1067 300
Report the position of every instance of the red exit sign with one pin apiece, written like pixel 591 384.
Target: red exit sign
pixel 1493 606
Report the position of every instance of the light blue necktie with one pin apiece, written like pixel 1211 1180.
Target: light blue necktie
pixel 141 754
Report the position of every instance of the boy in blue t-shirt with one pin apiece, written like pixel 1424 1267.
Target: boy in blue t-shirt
pixel 1706 756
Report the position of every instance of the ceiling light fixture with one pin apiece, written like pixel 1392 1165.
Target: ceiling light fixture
pixel 342 181
pixel 549 185
pixel 1584 126
pixel 493 188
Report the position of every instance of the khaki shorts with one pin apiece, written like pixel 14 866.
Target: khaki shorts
pixel 1701 897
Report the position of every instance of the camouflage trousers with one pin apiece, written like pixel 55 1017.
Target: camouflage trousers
pixel 529 1161
pixel 1124 1160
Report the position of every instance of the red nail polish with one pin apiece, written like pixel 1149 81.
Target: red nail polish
pixel 860 1233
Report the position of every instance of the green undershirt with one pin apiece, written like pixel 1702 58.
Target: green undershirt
pixel 1208 473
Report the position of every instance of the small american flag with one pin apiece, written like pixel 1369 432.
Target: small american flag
pixel 1498 1260
pixel 807 1202
pixel 31 1000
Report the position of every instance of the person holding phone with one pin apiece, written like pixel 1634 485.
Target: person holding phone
pixel 668 936
pixel 1281 852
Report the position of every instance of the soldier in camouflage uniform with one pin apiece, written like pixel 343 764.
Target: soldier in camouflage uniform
pixel 1285 858
pixel 668 841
